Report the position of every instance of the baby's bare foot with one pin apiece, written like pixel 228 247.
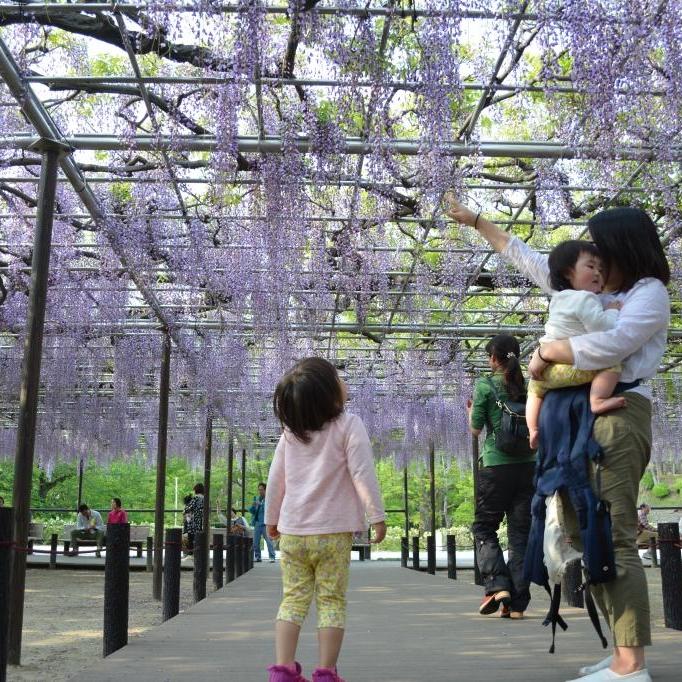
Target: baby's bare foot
pixel 603 405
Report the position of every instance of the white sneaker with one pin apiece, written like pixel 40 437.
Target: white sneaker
pixel 589 669
pixel 607 675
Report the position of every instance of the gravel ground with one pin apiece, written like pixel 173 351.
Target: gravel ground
pixel 63 620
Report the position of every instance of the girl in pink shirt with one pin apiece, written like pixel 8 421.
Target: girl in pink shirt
pixel 321 488
pixel 117 513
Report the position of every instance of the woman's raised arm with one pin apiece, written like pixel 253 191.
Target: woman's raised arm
pixel 527 261
pixel 496 237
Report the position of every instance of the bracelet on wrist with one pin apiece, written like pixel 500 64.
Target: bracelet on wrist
pixel 540 355
pixel 478 215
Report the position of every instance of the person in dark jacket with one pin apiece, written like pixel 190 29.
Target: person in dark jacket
pixel 257 510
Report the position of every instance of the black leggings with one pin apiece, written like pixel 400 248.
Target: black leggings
pixel 505 489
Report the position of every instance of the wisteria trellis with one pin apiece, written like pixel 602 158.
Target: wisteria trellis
pixel 326 245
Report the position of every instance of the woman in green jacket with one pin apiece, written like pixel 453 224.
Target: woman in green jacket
pixel 505 485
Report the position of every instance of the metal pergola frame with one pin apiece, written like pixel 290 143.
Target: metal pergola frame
pixel 464 321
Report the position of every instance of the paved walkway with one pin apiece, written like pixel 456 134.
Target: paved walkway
pixel 403 626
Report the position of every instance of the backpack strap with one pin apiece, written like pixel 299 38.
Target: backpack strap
pixel 498 400
pixel 553 616
pixel 592 612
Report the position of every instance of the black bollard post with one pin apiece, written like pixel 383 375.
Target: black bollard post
pixel 415 552
pixel 653 550
pixel 150 554
pixel 248 542
pixel 404 551
pixel 171 573
pixel 218 561
pixel 5 552
pixel 229 558
pixel 238 555
pixel 54 541
pixel 245 554
pixel 431 553
pixel 200 565
pixel 573 579
pixel 671 574
pixel 116 587
pixel 451 544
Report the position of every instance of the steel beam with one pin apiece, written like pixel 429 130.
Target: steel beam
pixel 352 146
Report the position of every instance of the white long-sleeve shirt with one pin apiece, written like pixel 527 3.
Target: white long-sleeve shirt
pixel 638 339
pixel 573 312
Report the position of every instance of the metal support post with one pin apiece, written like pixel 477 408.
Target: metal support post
pixel 162 445
pixel 230 473
pixel 30 383
pixel 431 540
pixel 5 553
pixel 206 519
pixel 474 467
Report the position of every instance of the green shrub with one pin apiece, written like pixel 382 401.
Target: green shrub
pixel 660 490
pixel 647 482
pixel 677 485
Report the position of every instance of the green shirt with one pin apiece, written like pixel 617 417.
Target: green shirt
pixel 484 413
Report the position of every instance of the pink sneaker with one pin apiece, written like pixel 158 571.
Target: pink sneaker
pixel 326 675
pixel 283 673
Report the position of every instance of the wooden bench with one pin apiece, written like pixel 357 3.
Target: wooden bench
pixel 138 539
pixel 362 545
pixel 35 534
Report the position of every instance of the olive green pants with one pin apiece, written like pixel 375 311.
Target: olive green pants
pixel 625 437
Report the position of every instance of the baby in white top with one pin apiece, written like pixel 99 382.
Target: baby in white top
pixel 575 272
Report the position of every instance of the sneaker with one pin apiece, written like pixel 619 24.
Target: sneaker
pixel 258 561
pixel 326 675
pixel 589 669
pixel 283 673
pixel 516 615
pixel 272 560
pixel 491 602
pixel 607 675
pixel 647 555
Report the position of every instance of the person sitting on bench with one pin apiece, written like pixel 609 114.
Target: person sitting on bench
pixel 645 531
pixel 89 526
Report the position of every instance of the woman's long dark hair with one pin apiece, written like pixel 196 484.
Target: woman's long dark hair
pixel 627 239
pixel 505 349
pixel 308 396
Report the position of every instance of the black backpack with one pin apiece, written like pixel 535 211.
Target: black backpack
pixel 512 436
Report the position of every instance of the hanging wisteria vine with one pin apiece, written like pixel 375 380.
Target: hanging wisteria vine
pixel 252 259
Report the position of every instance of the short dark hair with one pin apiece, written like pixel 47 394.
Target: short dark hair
pixel 627 239
pixel 308 396
pixel 118 502
pixel 563 258
pixel 265 485
pixel 83 507
pixel 234 511
pixel 187 499
pixel 199 489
